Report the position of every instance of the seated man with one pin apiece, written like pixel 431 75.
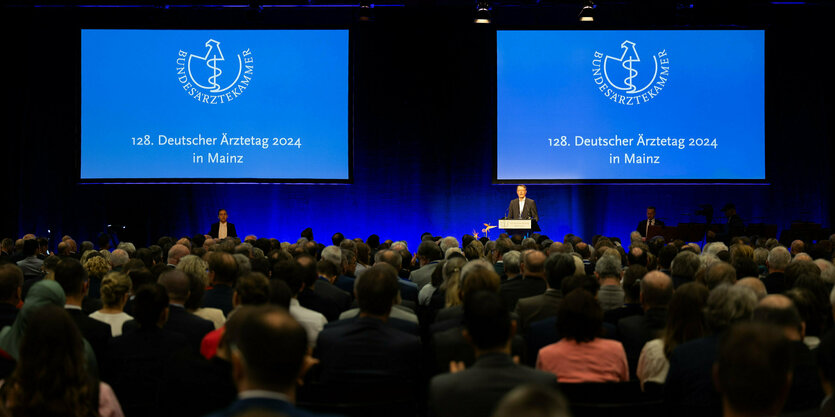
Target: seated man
pixel 268 350
pixel 476 391
pixel 367 349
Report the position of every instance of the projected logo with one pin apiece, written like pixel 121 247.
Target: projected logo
pixel 626 78
pixel 210 78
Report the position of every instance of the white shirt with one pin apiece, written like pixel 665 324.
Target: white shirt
pixel 653 365
pixel 221 230
pixel 521 205
pixel 312 321
pixel 114 320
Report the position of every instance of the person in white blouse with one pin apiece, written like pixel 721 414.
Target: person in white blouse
pixel 115 291
pixel 685 321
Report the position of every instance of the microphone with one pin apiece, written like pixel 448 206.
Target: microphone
pixel 506 213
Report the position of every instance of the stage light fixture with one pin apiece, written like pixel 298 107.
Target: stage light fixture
pixel 587 12
pixel 366 13
pixel 482 13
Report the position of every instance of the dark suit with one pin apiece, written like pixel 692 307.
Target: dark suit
pixel 402 325
pixel 538 307
pixel 340 298
pixel 220 296
pixel 192 327
pixel 136 365
pixel 368 350
pixel 230 230
pixel 528 210
pixel 450 345
pixel 267 404
pixel 520 287
pixel 635 331
pixel 689 389
pixel 642 226
pixel 476 391
pixel 775 283
pixel 8 314
pixel 96 332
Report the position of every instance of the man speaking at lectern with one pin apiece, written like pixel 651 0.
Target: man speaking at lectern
pixel 522 207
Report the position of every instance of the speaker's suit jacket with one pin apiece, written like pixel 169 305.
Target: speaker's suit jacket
pixel 528 210
pixel 230 230
pixel 642 226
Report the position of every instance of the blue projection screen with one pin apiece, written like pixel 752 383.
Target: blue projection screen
pixel 630 105
pixel 200 105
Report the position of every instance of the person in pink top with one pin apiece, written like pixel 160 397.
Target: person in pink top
pixel 582 356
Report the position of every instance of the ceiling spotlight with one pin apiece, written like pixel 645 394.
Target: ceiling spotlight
pixel 366 11
pixel 482 13
pixel 587 12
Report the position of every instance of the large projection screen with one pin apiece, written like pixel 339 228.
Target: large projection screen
pixel 215 105
pixel 630 106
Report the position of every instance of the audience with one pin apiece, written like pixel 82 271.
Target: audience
pixel 470 328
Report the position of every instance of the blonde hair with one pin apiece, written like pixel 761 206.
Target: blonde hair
pixel 195 267
pixel 114 286
pixel 97 266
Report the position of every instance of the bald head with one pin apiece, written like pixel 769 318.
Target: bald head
pixel 755 284
pixel 720 273
pixel 176 284
pixel 780 311
pixel 176 252
pixel 533 264
pixel 656 289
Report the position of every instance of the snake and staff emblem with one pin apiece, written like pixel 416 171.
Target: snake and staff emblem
pixel 211 60
pixel 626 79
pixel 208 78
pixel 627 63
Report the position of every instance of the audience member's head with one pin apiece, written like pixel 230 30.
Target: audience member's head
pixel 557 267
pixel 779 311
pixel 579 317
pixel 778 259
pixel 487 322
pixel 11 283
pixel 72 277
pixel 685 265
pixel 223 268
pixel 720 273
pixel 728 304
pixel 377 289
pixel 656 290
pixel 512 261
pixel 532 401
pixel 150 306
pixel 533 264
pixel 115 289
pixel 753 370
pixel 176 252
pixel 685 317
pixel 252 289
pixel 755 284
pixel 268 349
pixel 177 285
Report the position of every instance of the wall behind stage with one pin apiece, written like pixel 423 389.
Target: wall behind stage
pixel 423 131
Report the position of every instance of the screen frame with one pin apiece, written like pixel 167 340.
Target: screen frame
pixel 78 179
pixel 767 114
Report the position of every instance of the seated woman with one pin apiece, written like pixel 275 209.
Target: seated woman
pixel 51 378
pixel 115 290
pixel 685 322
pixel 581 355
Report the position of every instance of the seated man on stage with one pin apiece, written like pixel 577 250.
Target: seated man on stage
pixel 643 225
pixel 522 208
pixel 222 229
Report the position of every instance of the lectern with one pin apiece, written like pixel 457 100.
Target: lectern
pixel 522 227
